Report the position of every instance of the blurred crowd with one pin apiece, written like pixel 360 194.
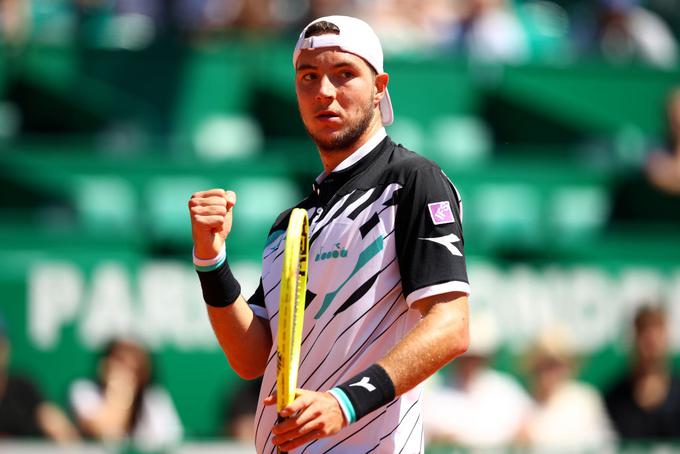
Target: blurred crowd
pixel 120 403
pixel 663 163
pixel 470 404
pixel 476 406
pixel 487 30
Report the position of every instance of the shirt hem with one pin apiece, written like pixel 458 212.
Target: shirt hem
pixel 438 289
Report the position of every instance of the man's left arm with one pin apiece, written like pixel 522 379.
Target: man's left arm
pixel 439 337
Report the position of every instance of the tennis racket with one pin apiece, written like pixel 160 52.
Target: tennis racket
pixel 291 307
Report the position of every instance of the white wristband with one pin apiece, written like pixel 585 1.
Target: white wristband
pixel 210 264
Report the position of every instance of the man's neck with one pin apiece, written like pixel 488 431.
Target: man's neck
pixel 645 368
pixel 332 158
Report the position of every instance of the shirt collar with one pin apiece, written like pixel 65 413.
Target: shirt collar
pixel 358 154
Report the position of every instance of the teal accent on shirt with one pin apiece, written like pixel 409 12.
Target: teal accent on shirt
pixel 273 237
pixel 366 255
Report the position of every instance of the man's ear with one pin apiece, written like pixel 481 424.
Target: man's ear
pixel 381 81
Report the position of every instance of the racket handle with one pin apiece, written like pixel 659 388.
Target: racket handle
pixel 279 419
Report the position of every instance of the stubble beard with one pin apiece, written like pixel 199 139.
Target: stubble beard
pixel 347 137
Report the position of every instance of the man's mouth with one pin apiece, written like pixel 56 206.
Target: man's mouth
pixel 326 114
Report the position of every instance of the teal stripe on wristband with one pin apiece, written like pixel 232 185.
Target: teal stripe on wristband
pixel 205 269
pixel 344 400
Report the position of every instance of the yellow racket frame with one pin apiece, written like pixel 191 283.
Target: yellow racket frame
pixel 292 306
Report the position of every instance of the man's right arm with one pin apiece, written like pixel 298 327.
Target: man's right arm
pixel 244 337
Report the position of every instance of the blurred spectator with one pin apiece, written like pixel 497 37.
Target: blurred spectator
pixel 14 20
pixel 489 30
pixel 645 404
pixel 23 411
pixel 398 23
pixel 663 166
pixel 625 31
pixel 124 403
pixel 240 415
pixel 567 414
pixel 486 30
pixel 476 407
pixel 320 8
pixel 207 15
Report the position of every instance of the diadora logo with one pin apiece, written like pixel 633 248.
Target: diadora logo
pixel 337 252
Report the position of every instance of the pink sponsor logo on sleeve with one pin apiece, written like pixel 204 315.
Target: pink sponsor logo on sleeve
pixel 440 212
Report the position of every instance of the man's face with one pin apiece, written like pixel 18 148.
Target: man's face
pixel 4 353
pixel 674 115
pixel 337 96
pixel 651 341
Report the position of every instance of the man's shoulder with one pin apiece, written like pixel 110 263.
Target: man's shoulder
pixel 405 162
pixel 281 221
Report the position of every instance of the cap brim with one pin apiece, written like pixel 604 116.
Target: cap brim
pixel 386 111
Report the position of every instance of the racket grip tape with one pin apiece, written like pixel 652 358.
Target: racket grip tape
pixel 279 420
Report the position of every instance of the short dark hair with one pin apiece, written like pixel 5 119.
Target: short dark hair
pixel 322 28
pixel 649 315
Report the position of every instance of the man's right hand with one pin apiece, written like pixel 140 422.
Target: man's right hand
pixel 211 216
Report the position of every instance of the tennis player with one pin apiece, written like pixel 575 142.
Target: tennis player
pixel 387 300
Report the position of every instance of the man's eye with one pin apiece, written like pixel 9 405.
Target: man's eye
pixel 347 74
pixel 308 77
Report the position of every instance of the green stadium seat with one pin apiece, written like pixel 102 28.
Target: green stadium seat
pixel 106 204
pixel 212 84
pixel 460 141
pixel 259 201
pixel 221 137
pixel 166 215
pixel 506 214
pixel 409 132
pixel 9 120
pixel 577 214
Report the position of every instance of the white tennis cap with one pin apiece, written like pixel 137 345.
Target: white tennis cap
pixel 356 37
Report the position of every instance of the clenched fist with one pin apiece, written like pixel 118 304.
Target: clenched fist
pixel 211 216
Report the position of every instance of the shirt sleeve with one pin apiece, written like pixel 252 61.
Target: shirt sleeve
pixel 429 236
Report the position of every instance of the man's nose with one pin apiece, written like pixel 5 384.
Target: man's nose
pixel 326 88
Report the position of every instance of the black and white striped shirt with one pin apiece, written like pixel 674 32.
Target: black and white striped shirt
pixel 385 231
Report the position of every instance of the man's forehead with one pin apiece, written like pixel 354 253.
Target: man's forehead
pixel 328 56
